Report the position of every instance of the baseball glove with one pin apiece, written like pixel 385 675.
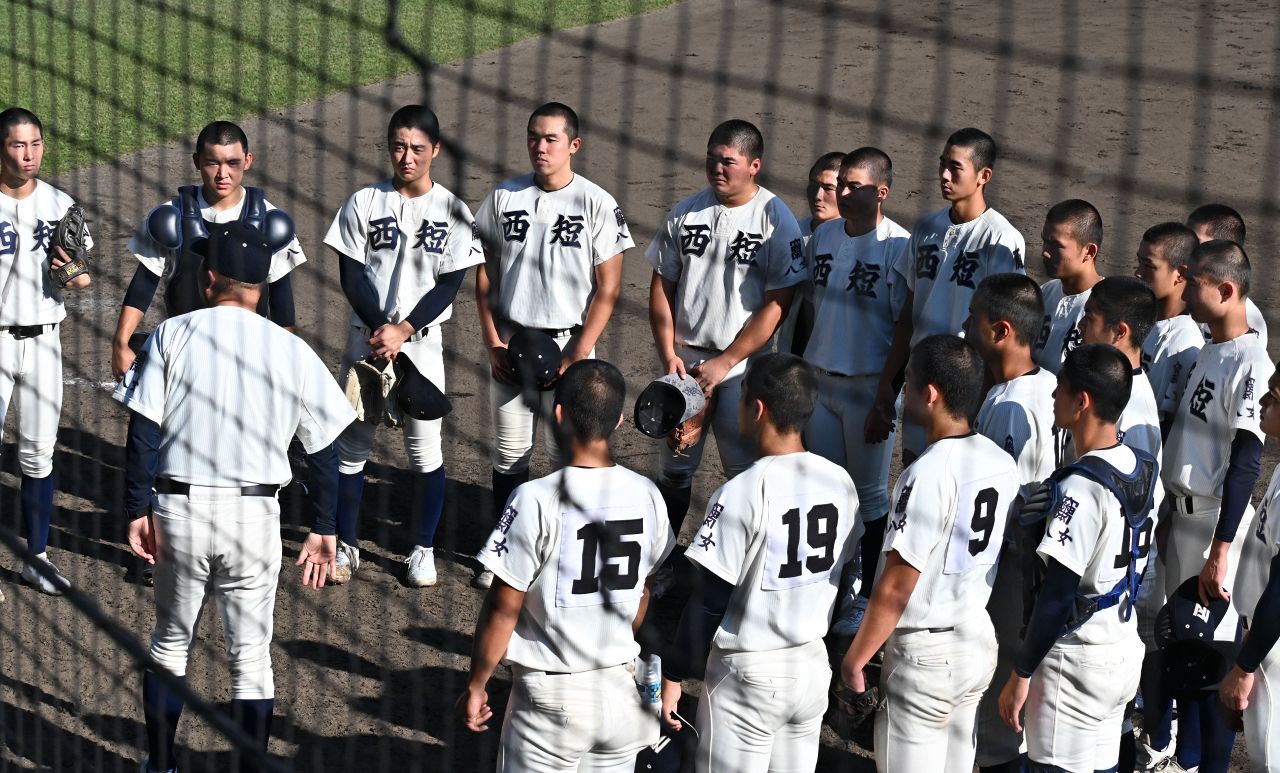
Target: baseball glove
pixel 687 434
pixel 859 706
pixel 72 235
pixel 368 385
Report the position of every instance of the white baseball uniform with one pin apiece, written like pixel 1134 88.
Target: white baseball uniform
pixel 723 261
pixel 1253 315
pixel 948 521
pixel 1168 354
pixel 1138 425
pixel 944 263
pixel 1060 332
pixel 780 533
pixel 547 245
pixel 1221 398
pixel 787 330
pixel 579 544
pixel 856 297
pixel 405 245
pixel 1262 715
pixel 192 377
pixel 1077 696
pixel 1016 415
pixel 31 360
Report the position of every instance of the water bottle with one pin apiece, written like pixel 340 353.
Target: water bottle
pixel 649 682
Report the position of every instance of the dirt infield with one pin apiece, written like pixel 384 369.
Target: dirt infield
pixel 1145 109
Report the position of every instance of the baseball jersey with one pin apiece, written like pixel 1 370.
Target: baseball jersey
pixel 405 243
pixel 579 544
pixel 723 261
pixel 1255 559
pixel 1060 332
pixel 27 295
pixel 1017 415
pixel 944 262
pixel 780 532
pixel 948 522
pixel 1221 397
pixel 856 296
pixel 160 261
pixel 1088 535
pixel 229 390
pixel 548 244
pixel 1168 354
pixel 1253 316
pixel 1139 423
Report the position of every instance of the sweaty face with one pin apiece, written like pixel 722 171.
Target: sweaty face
pixel 1270 402
pixel 550 149
pixel 1063 255
pixel 1093 328
pixel 822 197
pixel 856 193
pixel 729 172
pixel 411 155
pixel 23 152
pixel 1156 271
pixel 957 175
pixel 222 168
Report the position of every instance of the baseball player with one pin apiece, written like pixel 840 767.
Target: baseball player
pixel 1173 343
pixel 404 246
pixel 1072 237
pixel 1218 221
pixel 1212 459
pixel 550 241
pixel 726 262
pixel 31 310
pixel 1251 685
pixel 1005 316
pixel 216 395
pixel 941 551
pixel 950 252
pixel 824 206
pixel 164 242
pixel 855 294
pixel 1078 666
pixel 768 558
pixel 571 554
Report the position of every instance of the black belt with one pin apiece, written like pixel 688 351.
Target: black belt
pixel 560 332
pixel 27 331
pixel 166 486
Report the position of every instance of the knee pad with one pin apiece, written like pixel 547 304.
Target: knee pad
pixel 35 458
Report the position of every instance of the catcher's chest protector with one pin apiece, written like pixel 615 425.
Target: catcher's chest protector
pixel 182 293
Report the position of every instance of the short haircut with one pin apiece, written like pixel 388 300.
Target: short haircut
pixel 1175 240
pixel 740 135
pixel 17 116
pixel 827 162
pixel 1104 373
pixel 982 148
pixel 1125 299
pixel 1012 298
pixel 953 365
pixel 788 387
pixel 414 118
pixel 1223 222
pixel 591 392
pixel 1222 261
pixel 558 110
pixel 1081 218
pixel 221 133
pixel 872 160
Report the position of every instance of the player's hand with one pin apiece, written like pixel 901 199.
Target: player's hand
pixel 122 358
pixel 1213 577
pixel 880 419
pixel 317 558
pixel 499 367
pixel 853 676
pixel 674 364
pixel 142 539
pixel 709 373
pixel 1036 504
pixel 571 354
pixel 671 692
pixel 1012 698
pixel 1235 689
pixel 388 339
pixel 474 708
pixel 58 259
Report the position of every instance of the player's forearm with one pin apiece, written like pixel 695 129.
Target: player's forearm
pixel 761 327
pixel 1242 473
pixel 603 302
pixel 280 306
pixel 899 350
pixel 493 634
pixel 484 289
pixel 323 466
pixel 437 299
pixel 1052 609
pixel 142 460
pixel 1264 624
pixel 888 601
pixel 360 292
pixel 662 318
pixel 686 657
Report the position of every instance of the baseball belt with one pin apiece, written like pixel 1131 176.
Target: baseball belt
pixel 178 488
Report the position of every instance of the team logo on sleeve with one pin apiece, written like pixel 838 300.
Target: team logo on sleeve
pixel 744 247
pixel 430 237
pixel 1062 518
pixel 8 239
pixel 475 232
pixel 1249 409
pixel 567 229
pixel 863 278
pixel 694 239
pixel 515 224
pixel 963 269
pixel 797 257
pixel 1200 399
pixel 384 233
pixel 821 269
pixel 621 220
pixel 509 514
pixel 44 231
pixel 899 520
pixel 1017 258
pixel 707 541
pixel 927 258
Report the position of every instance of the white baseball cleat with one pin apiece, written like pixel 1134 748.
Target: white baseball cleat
pixel 422 567
pixel 1150 758
pixel 31 576
pixel 484 579
pixel 347 564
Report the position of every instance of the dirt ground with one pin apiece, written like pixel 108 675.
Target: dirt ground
pixel 1144 108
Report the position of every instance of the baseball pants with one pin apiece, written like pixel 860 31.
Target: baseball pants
pixel 997 742
pixel 762 711
pixel 214 539
pixel 736 452
pixel 31 379
pixel 1076 702
pixel 932 682
pixel 1190 537
pixel 421 438
pixel 592 721
pixel 1262 716
pixel 835 432
pixel 515 424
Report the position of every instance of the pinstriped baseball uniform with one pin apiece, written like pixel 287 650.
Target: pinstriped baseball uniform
pixel 1060 332
pixel 1262 715
pixel 1168 355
